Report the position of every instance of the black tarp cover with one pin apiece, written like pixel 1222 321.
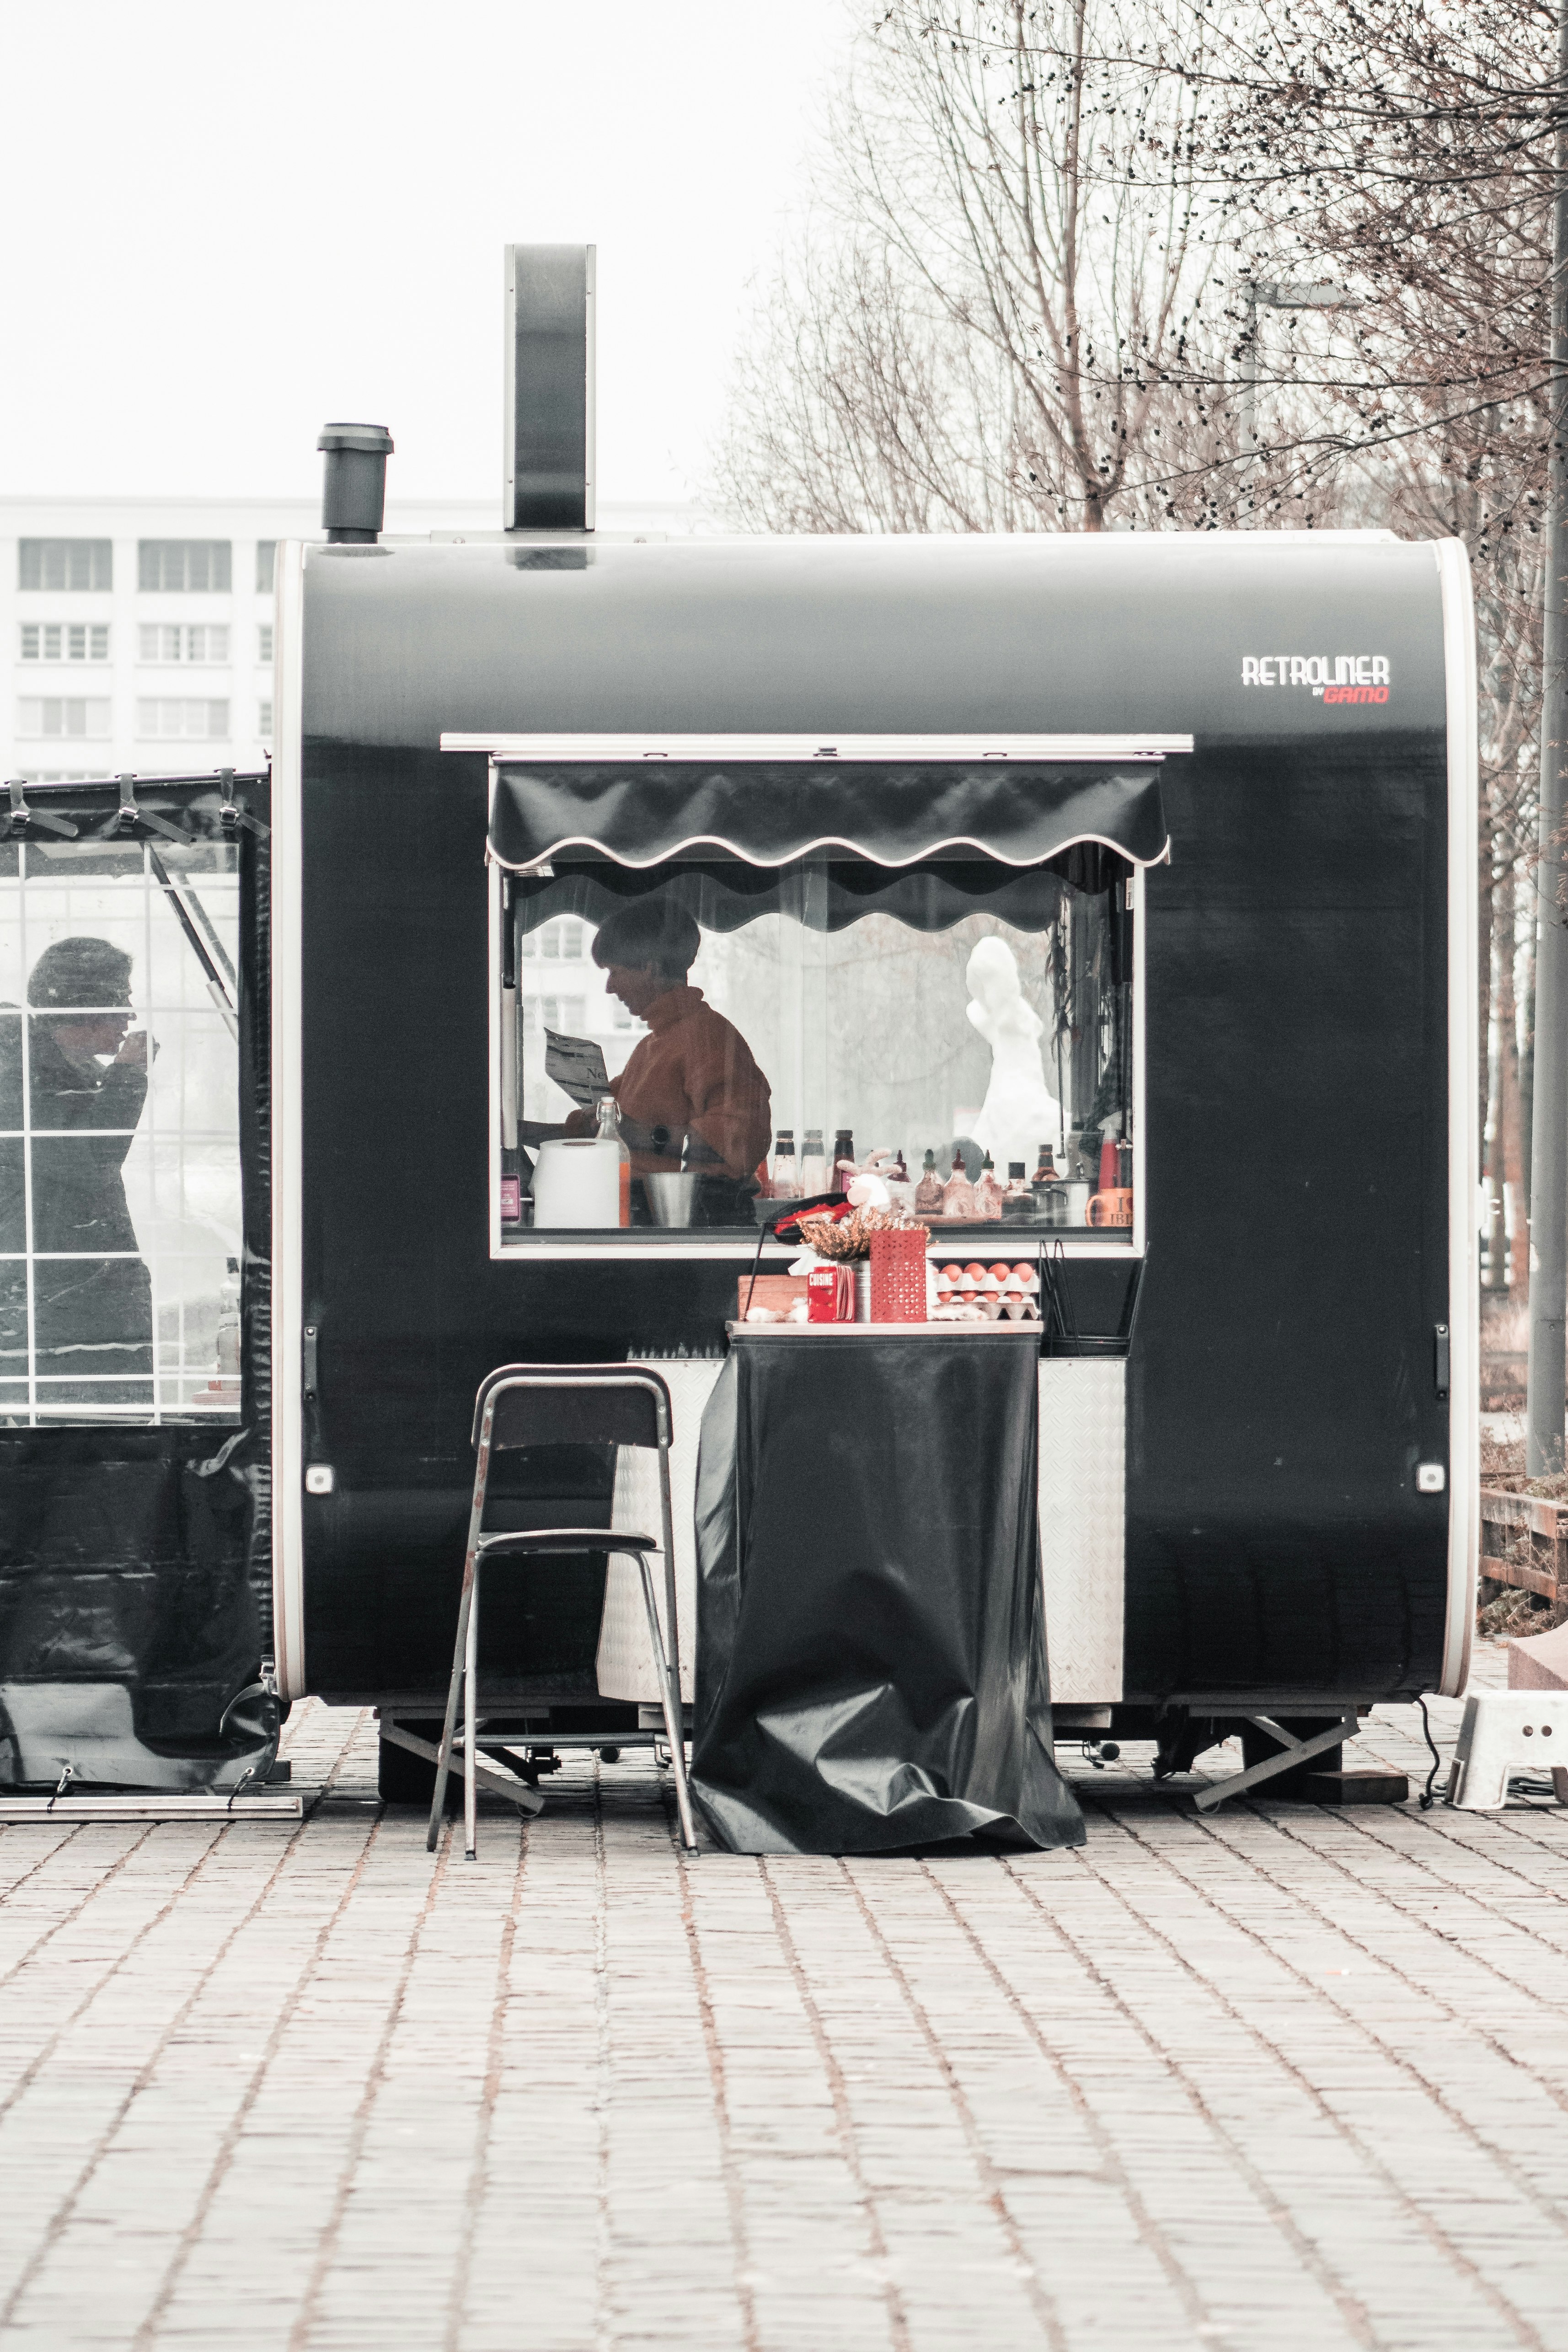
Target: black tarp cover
pixel 136 1562
pixel 769 814
pixel 871 1653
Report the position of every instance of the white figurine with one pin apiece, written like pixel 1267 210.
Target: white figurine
pixel 1020 1112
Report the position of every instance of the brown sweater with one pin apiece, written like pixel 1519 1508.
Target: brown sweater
pixel 694 1070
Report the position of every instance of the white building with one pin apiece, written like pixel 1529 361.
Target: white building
pixel 140 630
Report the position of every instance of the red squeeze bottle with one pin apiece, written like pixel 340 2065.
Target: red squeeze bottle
pixel 1108 1165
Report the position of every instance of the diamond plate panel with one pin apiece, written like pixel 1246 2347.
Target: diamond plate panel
pixel 626 1660
pixel 1083 1478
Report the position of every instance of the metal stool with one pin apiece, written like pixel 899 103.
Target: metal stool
pixel 563 1404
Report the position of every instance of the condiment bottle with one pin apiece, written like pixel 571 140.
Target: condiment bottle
pixel 1108 1164
pixel 609 1132
pixel 843 1160
pixel 813 1164
pixel 989 1192
pixel 928 1192
pixel 958 1193
pixel 786 1174
pixel 1017 1201
pixel 1049 1196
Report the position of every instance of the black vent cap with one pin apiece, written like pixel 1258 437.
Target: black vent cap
pixel 353 489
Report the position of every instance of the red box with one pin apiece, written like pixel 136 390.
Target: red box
pixel 829 1295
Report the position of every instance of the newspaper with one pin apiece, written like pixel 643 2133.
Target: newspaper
pixel 577 1066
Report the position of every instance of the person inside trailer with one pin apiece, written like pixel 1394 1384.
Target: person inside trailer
pixel 691 1093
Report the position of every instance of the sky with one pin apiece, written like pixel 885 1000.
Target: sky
pixel 227 224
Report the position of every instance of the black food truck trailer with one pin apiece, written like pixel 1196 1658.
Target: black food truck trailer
pixel 1112 896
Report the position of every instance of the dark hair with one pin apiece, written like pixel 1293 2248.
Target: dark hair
pixel 647 935
pixel 80 971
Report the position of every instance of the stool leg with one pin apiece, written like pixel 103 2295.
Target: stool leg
pixel 673 1724
pixel 444 1765
pixel 471 1720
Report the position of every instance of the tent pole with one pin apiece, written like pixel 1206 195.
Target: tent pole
pixel 1548 1152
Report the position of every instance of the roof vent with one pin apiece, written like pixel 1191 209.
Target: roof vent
pixel 354 483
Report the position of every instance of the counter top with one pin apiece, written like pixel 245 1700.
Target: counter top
pixel 1003 1328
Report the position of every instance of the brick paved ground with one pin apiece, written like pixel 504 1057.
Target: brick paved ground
pixel 1278 2078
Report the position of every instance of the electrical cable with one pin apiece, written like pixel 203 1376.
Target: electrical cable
pixel 1426 1797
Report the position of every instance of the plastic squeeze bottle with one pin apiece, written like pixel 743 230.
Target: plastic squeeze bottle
pixel 989 1192
pixel 928 1192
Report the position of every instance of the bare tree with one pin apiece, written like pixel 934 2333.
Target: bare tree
pixel 998 324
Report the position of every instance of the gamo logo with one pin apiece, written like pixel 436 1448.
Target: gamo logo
pixel 1337 678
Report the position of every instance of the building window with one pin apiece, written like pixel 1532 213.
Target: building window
pixel 565 1014
pixel 53 641
pixel 263 717
pixel 120 1208
pixel 562 942
pixel 189 564
pixel 62 714
pixel 264 642
pixel 182 715
pixel 62 775
pixel 266 557
pixel 175 641
pixel 65 563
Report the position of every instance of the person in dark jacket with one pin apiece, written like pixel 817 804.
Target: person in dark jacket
pixel 87 1085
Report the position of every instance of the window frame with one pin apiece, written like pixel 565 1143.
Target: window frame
pixel 100 556
pixel 651 1246
pixel 222 561
pixel 45 1408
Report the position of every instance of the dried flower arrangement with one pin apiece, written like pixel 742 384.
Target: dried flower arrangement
pixel 850 1237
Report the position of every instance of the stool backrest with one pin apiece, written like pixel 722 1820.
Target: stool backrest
pixel 574 1404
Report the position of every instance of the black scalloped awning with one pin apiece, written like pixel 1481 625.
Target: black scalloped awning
pixel 641 815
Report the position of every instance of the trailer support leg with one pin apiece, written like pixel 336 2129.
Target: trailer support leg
pixel 1293 1751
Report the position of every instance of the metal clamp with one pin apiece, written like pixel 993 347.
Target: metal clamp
pixel 233 814
pixel 131 813
pixel 20 816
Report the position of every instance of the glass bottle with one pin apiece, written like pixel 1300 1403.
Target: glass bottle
pixel 1017 1201
pixel 609 1132
pixel 843 1160
pixel 928 1192
pixel 1124 1164
pixel 989 1193
pixel 813 1164
pixel 1050 1200
pixel 786 1185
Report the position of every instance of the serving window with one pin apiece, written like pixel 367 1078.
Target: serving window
pixel 681 1045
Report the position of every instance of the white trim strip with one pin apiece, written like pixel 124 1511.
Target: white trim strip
pixel 809 848
pixel 629 1249
pixel 287 1231
pixel 1464 1140
pixel 823 747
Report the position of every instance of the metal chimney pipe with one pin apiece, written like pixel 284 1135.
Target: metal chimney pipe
pixel 548 481
pixel 354 482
